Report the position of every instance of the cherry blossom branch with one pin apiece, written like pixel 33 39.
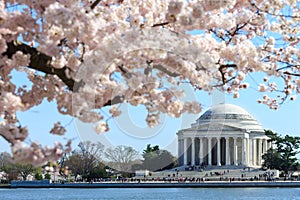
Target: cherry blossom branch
pixel 42 63
pixel 115 100
pixel 221 70
pixel 287 67
pixel 229 33
pixel 125 72
pixel 95 4
pixel 290 73
pixel 160 24
pixel 235 31
pixel 273 14
pixel 39 61
pixel 215 32
pixel 163 69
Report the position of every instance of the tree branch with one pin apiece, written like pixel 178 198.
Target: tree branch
pixel 115 100
pixel 162 69
pixel 235 31
pixel 221 70
pixel 287 67
pixel 39 61
pixel 42 62
pixel 160 24
pixel 273 14
pixel 125 72
pixel 95 4
pixel 290 73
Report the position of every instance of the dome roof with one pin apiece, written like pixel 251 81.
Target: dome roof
pixel 229 115
pixel 226 111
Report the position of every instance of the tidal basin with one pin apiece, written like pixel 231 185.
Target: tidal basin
pixel 150 193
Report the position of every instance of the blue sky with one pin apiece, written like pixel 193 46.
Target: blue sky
pixel 130 128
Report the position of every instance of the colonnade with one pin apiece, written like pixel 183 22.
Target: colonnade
pixel 222 150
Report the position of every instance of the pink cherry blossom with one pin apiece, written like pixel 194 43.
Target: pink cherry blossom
pixel 87 55
pixel 58 129
pixel 101 127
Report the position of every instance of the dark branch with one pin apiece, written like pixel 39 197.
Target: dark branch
pixel 221 70
pixel 95 4
pixel 39 61
pixel 163 69
pixel 216 34
pixel 273 14
pixel 290 73
pixel 42 62
pixel 235 31
pixel 160 24
pixel 125 72
pixel 115 100
pixel 228 66
pixel 287 67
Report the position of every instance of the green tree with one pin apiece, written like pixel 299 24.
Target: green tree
pixel 150 149
pixel 47 176
pixel 156 159
pixel 38 173
pixel 272 159
pixel 38 176
pixel 13 170
pixel 99 171
pixel 11 173
pixel 283 156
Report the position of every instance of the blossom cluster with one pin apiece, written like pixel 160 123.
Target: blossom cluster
pixel 37 155
pixel 86 55
pixel 58 129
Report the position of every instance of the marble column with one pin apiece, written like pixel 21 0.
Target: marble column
pixel 254 155
pixel 193 152
pixel 201 151
pixel 184 151
pixel 227 151
pixel 248 151
pixel 209 150
pixel 179 152
pixel 259 151
pixel 235 151
pixel 218 151
pixel 250 141
pixel 243 151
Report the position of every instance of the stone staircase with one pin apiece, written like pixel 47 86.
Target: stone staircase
pixel 212 173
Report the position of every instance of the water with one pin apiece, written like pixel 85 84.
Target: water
pixel 149 193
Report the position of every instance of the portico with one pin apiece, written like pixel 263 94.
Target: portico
pixel 224 135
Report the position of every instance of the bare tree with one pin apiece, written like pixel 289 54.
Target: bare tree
pixel 84 160
pixel 122 157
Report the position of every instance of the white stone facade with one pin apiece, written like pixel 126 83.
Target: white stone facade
pixel 224 135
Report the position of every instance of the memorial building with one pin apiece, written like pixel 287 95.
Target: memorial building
pixel 225 134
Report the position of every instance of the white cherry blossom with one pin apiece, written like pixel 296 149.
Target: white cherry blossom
pixel 86 55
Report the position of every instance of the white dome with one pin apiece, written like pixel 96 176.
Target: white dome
pixel 226 111
pixel 230 115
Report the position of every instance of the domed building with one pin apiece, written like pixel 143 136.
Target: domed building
pixel 225 134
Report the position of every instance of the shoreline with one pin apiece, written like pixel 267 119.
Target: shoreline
pixel 210 184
